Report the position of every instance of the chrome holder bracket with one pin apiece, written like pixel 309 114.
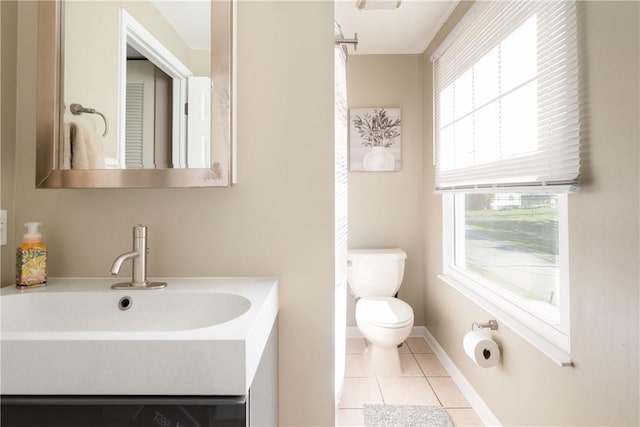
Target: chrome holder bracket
pixel 491 324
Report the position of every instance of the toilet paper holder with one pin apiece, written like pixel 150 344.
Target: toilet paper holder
pixel 491 324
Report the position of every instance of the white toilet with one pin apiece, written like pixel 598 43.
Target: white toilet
pixel 374 277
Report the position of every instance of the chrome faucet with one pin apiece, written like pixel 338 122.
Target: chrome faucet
pixel 138 258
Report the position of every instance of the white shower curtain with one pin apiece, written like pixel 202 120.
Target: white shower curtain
pixel 340 191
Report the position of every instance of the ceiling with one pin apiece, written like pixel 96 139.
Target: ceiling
pixel 190 19
pixel 405 30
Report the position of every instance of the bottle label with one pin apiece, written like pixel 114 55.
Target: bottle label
pixel 31 267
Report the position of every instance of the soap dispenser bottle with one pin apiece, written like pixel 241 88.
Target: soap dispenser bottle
pixel 31 259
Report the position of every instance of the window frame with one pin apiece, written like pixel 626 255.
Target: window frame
pixel 550 337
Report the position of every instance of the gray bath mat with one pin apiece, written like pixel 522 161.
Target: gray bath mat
pixel 406 416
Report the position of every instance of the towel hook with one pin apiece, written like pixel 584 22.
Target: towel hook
pixel 77 109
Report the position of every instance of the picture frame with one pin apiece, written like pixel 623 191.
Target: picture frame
pixel 375 139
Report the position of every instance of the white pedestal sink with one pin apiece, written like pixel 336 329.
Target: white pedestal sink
pixel 77 336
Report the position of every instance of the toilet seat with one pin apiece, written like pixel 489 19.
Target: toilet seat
pixel 384 312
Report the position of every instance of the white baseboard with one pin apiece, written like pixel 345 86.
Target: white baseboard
pixel 484 412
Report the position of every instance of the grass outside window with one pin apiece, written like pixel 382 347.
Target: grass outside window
pixel 512 241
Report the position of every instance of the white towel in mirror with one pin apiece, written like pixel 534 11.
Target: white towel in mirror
pixel 81 148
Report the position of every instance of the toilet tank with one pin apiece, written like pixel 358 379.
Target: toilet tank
pixel 375 272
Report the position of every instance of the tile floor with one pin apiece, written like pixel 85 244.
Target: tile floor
pixel 423 382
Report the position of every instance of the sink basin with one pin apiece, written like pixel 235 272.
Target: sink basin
pixel 77 336
pixel 119 311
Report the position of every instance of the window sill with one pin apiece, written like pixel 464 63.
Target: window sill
pixel 553 344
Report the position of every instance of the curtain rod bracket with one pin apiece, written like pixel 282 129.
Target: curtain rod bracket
pixel 353 41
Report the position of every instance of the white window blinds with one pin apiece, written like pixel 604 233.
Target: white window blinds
pixel 506 97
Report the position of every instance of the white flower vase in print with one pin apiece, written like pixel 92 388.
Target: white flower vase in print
pixel 379 159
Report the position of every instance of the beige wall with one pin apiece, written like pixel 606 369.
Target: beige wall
pixel 277 221
pixel 385 208
pixel 527 388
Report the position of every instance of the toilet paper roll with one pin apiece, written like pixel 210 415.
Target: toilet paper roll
pixel 481 349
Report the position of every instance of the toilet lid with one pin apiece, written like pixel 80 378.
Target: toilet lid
pixel 387 312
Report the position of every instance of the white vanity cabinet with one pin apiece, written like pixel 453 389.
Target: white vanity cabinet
pixel 211 370
pixel 259 407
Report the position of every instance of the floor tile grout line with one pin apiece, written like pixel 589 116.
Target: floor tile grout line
pixel 448 407
pixel 434 391
pixel 380 391
pixel 427 379
pixel 419 366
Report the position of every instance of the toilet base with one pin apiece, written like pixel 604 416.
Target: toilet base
pixel 383 361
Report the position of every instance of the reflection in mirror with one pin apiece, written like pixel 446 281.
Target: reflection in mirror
pixel 144 65
pixel 134 93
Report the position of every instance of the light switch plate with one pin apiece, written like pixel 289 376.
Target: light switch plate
pixel 3 227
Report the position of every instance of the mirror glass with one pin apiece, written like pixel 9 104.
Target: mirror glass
pixel 141 66
pixel 138 92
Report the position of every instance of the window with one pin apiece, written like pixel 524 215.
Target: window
pixel 509 253
pixel 507 125
pixel 510 240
